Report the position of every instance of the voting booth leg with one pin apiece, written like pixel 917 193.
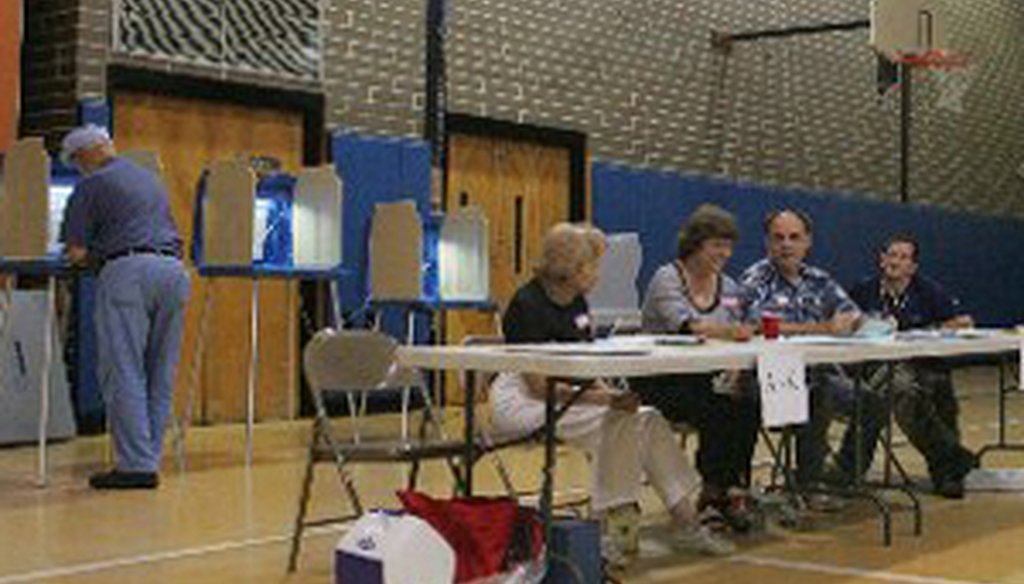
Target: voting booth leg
pixel 335 293
pixel 254 371
pixel 1006 387
pixel 44 397
pixel 183 422
pixel 6 307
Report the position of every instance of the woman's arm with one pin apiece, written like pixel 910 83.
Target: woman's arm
pixel 597 393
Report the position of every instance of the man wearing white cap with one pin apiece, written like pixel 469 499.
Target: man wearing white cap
pixel 118 218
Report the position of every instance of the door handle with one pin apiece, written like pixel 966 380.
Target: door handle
pixel 517 236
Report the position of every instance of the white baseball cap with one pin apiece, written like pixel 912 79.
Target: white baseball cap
pixel 80 138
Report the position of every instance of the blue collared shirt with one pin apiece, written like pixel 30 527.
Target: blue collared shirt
pixel 814 298
pixel 119 207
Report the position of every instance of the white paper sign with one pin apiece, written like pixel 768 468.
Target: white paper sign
pixel 782 375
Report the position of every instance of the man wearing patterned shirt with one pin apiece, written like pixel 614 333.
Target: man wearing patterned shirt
pixel 807 301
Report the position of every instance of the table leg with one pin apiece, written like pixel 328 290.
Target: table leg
pixel 1006 387
pixel 548 488
pixel 469 433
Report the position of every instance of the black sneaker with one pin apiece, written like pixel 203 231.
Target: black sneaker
pixel 739 512
pixel 117 479
pixel 950 488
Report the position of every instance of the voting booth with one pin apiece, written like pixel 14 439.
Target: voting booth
pixel 442 258
pixel 317 218
pixel 26 228
pixel 463 256
pixel 615 301
pixel 276 221
pixel 34 393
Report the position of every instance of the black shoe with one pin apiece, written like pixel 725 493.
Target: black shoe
pixel 835 476
pixel 116 479
pixel 950 488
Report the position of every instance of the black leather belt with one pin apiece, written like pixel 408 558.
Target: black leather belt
pixel 142 250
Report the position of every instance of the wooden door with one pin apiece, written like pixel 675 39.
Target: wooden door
pixel 188 134
pixel 523 188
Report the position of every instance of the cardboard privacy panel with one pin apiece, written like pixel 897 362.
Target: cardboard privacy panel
pixel 463 256
pixel 396 252
pixel 24 201
pixel 228 212
pixel 317 218
pixel 615 298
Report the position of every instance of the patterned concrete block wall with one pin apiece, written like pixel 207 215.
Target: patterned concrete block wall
pixel 640 78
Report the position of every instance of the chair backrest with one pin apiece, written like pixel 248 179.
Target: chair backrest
pixel 348 360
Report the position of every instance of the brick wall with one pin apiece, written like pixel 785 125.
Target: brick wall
pixel 49 91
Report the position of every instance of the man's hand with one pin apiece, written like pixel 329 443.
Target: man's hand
pixel 844 323
pixel 626 401
pixel 964 321
pixel 742 332
pixel 77 255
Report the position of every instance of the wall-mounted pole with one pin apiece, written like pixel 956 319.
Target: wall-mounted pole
pixel 436 105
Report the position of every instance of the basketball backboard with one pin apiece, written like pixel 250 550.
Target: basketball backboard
pixel 907 27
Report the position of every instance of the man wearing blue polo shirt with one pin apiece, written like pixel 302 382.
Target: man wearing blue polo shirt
pixel 925 405
pixel 118 218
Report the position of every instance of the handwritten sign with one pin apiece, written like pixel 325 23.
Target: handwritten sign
pixel 782 374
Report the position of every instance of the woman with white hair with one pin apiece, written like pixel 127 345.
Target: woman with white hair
pixel 624 441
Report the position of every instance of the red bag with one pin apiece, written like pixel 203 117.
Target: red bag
pixel 489 535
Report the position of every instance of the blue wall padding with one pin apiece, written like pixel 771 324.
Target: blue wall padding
pixel 376 170
pixel 975 257
pixel 96 111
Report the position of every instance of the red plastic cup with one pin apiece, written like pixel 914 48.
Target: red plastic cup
pixel 770 325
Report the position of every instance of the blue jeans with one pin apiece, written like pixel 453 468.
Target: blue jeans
pixel 140 308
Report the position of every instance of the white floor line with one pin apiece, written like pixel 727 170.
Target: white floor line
pixel 94 567
pixel 81 569
pixel 845 571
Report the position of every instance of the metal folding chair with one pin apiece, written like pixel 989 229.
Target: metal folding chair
pixel 362 361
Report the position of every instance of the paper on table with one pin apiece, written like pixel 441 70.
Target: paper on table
pixel 783 378
pixel 651 340
pixel 834 340
pixel 577 349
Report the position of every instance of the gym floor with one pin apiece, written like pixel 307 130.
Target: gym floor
pixel 218 521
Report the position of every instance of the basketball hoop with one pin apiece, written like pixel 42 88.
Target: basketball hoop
pixel 936 59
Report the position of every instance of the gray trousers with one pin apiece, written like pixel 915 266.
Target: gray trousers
pixel 140 307
pixel 926 409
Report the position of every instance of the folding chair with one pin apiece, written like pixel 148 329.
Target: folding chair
pixel 350 361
